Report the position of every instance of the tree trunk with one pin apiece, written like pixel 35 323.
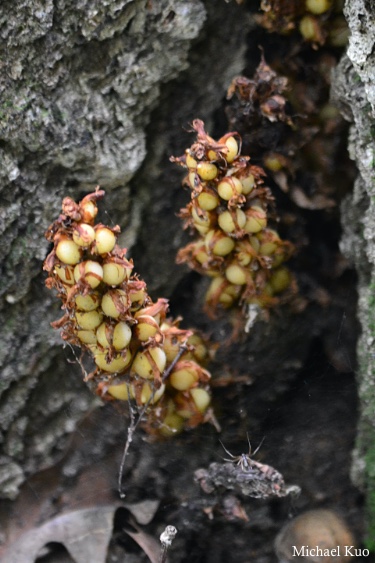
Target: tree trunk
pixel 103 93
pixel 354 87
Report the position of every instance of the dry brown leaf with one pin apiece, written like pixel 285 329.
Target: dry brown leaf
pixel 150 546
pixel 84 533
pixel 143 511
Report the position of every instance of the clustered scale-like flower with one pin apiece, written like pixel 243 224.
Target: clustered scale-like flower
pixel 140 354
pixel 318 21
pixel 229 209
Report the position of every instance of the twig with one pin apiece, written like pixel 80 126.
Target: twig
pixel 78 360
pixel 134 423
pixel 183 348
pixel 131 429
pixel 166 540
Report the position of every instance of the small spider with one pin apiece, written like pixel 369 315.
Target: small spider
pixel 244 460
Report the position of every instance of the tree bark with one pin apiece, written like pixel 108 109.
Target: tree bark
pixel 79 87
pixel 102 93
pixel 354 87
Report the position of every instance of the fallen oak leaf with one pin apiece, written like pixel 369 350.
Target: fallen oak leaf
pixel 84 533
pixel 77 531
pixel 147 543
pixel 143 511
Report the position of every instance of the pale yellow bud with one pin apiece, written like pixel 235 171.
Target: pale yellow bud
pixel 172 424
pixel 103 335
pixel 273 162
pixel 200 254
pixel 192 179
pixel 65 274
pixel 309 29
pixel 219 244
pixel 318 7
pixel 201 398
pixel 118 364
pixel 115 303
pixel 88 302
pixel 230 221
pixel 149 394
pixel 235 274
pixel 232 145
pixel 68 252
pixel 191 163
pixel 208 201
pixel 248 184
pixel 269 240
pixel 280 279
pixel 87 336
pixel 207 170
pixel 113 273
pixel 202 221
pixel 200 349
pixel 89 211
pixel 144 366
pixel 119 391
pixel 146 328
pixel 122 335
pixel 89 320
pixel 105 240
pixel 83 235
pixel 256 219
pixel 229 187
pixel 184 379
pixel 89 271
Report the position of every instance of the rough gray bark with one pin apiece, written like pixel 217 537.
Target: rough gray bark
pixel 102 93
pixel 78 87
pixel 354 87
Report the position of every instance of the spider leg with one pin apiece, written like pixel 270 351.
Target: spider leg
pixel 248 441
pixel 226 451
pixel 258 448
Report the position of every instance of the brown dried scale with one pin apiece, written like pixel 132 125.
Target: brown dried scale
pixel 259 111
pixel 230 210
pixel 140 354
